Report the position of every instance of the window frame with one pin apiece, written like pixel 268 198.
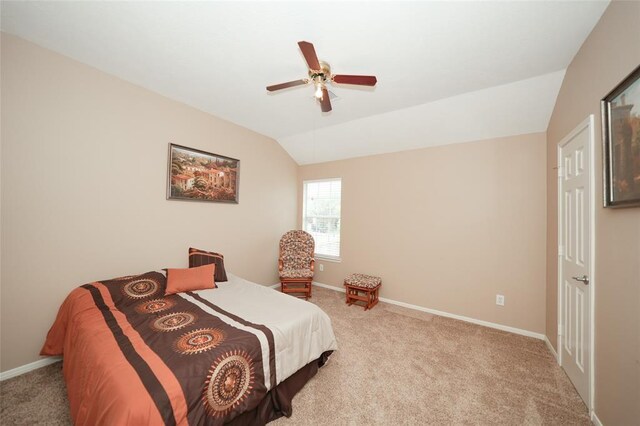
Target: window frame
pixel 316 255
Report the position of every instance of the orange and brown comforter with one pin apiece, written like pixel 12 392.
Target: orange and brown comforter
pixel 135 356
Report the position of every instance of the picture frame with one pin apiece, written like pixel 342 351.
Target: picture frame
pixel 195 175
pixel 621 143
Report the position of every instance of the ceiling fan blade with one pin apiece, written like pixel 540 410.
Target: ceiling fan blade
pixel 325 102
pixel 361 80
pixel 309 55
pixel 287 84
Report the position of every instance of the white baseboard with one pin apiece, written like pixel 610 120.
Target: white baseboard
pixel 595 420
pixel 551 349
pixel 330 287
pixel 28 367
pixel 449 315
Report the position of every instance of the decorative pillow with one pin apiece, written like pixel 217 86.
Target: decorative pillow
pixel 200 257
pixel 189 279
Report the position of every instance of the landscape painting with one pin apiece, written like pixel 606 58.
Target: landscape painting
pixel 621 128
pixel 201 176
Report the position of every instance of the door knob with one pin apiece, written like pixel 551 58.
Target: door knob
pixel 584 279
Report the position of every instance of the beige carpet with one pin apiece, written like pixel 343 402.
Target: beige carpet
pixel 393 366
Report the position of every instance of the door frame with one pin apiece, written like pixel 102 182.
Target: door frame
pixel 588 124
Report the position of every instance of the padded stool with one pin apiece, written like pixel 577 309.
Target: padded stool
pixel 361 283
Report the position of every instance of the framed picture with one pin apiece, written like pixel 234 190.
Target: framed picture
pixel 201 176
pixel 621 143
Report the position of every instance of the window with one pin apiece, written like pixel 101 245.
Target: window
pixel 321 215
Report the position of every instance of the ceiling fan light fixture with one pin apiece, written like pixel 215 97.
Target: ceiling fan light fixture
pixel 318 93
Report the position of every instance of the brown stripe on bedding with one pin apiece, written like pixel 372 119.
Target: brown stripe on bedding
pixel 148 379
pixel 166 324
pixel 263 328
pixel 164 374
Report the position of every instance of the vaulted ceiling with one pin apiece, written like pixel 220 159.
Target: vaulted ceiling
pixel 447 72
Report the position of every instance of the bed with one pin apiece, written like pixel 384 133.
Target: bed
pixel 234 354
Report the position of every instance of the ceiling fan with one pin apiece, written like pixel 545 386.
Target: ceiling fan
pixel 320 75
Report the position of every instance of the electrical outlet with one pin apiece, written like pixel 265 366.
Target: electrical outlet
pixel 499 300
pixel 321 267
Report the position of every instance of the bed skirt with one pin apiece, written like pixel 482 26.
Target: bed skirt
pixel 277 402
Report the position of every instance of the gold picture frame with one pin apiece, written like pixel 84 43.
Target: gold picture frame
pixel 621 143
pixel 195 175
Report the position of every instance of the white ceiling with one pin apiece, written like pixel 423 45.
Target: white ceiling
pixel 498 65
pixel 511 109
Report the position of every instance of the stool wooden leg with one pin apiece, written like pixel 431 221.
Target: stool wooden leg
pixel 370 296
pixel 367 295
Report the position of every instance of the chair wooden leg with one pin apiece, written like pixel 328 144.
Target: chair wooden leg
pixel 300 288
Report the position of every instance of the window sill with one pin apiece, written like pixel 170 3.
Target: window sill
pixel 327 258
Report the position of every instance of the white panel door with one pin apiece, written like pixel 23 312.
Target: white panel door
pixel 575 256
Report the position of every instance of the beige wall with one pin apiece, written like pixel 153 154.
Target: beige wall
pixel 448 227
pixel 608 55
pixel 84 158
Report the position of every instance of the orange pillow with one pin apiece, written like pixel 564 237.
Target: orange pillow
pixel 189 279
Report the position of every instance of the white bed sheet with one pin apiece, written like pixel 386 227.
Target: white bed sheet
pixel 301 330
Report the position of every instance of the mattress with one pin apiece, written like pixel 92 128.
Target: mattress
pixel 135 356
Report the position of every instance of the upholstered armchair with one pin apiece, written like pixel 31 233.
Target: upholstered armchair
pixel 296 263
